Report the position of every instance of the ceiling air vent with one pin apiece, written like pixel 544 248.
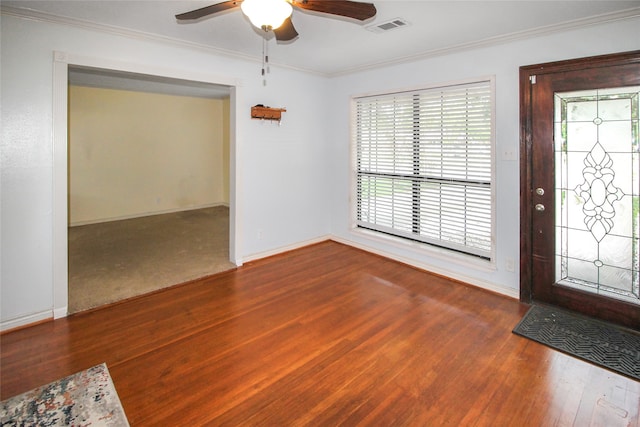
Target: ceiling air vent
pixel 388 25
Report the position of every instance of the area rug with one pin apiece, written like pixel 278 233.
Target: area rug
pixel 601 343
pixel 87 398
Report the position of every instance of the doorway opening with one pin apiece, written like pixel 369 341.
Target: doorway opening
pixel 64 64
pixel 148 184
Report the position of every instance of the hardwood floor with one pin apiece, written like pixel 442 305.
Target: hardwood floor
pixel 324 335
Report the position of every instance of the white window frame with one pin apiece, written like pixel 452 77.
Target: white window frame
pixel 433 248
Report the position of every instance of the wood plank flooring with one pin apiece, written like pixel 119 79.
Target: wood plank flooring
pixel 325 335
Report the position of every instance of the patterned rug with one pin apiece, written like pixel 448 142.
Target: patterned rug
pixel 87 398
pixel 603 344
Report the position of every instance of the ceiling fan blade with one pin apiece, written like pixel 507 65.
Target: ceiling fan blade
pixel 349 9
pixel 286 31
pixel 209 10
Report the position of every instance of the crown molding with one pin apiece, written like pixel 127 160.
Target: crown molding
pixel 39 16
pixel 493 41
pixel 487 42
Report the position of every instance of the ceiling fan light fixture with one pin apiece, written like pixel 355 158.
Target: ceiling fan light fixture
pixel 266 14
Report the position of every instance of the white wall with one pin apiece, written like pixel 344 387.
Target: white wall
pixel 137 153
pixel 503 62
pixel 280 181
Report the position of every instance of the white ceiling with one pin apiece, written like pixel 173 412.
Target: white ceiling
pixel 326 45
pixel 332 46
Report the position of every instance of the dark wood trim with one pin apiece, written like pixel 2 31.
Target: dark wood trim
pixel 526 188
pixel 623 58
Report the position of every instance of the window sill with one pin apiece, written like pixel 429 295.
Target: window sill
pixel 425 250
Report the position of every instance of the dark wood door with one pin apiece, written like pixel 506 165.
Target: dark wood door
pixel 580 184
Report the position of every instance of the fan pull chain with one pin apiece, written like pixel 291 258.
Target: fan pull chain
pixel 265 61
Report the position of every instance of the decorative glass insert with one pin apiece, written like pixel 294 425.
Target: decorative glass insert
pixel 597 191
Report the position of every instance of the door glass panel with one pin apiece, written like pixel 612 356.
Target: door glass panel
pixel 597 191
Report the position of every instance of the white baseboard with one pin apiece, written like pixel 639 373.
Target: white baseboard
pixel 502 290
pixel 59 313
pixel 26 320
pixel 282 249
pixel 143 214
pixel 512 293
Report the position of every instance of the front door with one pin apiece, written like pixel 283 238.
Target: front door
pixel 580 188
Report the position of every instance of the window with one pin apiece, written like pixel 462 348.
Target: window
pixel 424 168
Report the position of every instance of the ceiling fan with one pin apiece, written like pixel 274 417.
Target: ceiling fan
pixel 275 15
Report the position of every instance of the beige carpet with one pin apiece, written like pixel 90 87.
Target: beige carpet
pixel 115 260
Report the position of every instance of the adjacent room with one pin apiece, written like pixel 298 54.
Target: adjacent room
pixel 428 212
pixel 148 184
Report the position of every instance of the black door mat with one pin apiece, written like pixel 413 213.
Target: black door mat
pixel 603 344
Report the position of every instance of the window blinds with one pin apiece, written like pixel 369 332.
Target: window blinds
pixel 424 166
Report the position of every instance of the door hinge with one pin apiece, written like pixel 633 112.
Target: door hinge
pixel 532 79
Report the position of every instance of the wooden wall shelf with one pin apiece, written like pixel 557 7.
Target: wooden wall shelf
pixel 267 113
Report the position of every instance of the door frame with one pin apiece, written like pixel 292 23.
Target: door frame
pixel 61 63
pixel 526 158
